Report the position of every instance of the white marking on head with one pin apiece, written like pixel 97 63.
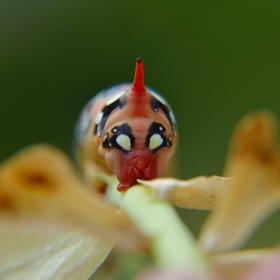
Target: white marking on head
pixel 155 141
pixel 99 117
pixel 124 141
pixel 115 130
pixel 115 97
pixel 161 128
pixel 170 138
pixel 159 98
pixel 105 137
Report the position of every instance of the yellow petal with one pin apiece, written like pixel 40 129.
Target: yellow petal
pixel 254 193
pixel 40 184
pixel 198 193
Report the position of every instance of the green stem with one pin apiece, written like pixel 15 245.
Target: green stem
pixel 172 242
pixel 173 245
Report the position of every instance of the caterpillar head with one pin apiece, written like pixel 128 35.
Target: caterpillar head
pixel 137 133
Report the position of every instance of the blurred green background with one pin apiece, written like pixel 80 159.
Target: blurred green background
pixel 213 60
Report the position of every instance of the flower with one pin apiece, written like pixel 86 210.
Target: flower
pixel 39 187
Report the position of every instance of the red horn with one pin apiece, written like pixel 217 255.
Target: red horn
pixel 138 83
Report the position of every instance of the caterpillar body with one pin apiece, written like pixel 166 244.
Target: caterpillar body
pixel 127 129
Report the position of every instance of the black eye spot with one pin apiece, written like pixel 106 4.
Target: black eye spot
pixel 155 139
pixel 156 128
pixel 122 138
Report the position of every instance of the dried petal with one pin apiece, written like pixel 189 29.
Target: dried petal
pixel 40 184
pixel 254 193
pixel 198 193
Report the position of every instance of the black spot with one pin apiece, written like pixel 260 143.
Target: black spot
pixel 118 130
pixel 156 104
pixel 105 141
pixel 122 129
pixel 157 128
pixel 107 110
pixel 95 129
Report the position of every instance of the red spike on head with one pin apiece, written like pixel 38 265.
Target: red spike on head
pixel 138 83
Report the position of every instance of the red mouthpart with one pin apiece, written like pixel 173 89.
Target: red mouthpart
pixel 141 164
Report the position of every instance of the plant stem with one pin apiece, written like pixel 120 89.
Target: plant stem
pixel 173 245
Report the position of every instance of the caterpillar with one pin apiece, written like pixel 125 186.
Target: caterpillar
pixel 127 129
